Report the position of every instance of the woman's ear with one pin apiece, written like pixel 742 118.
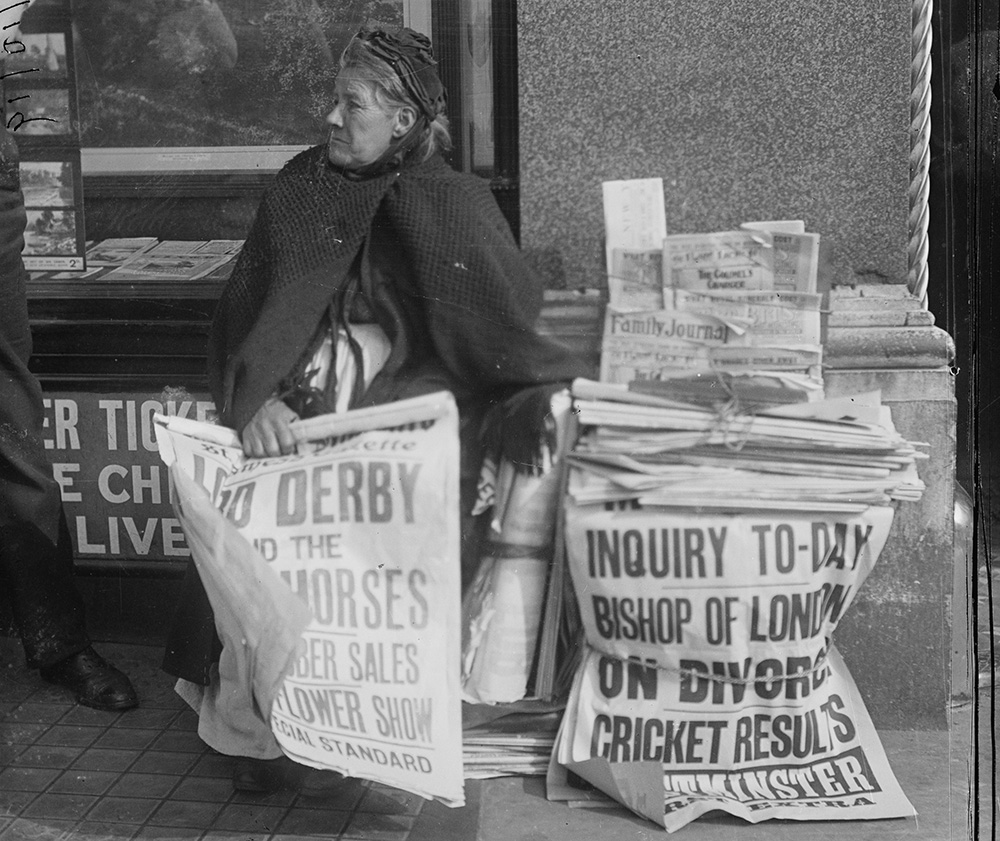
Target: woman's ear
pixel 406 118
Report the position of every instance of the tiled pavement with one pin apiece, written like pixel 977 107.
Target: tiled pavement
pixel 67 771
pixel 71 773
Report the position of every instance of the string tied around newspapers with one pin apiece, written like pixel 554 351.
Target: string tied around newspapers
pixel 734 419
pixel 733 409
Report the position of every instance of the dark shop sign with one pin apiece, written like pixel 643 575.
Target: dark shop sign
pixel 115 490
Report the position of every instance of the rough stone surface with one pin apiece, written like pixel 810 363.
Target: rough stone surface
pixel 746 110
pixel 887 347
pixel 868 318
pixel 921 318
pixel 896 637
pixel 858 303
pixel 576 319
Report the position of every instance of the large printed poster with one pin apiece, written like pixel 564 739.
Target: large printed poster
pixel 362 525
pixel 709 680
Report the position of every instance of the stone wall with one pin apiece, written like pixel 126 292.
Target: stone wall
pixel 747 111
pixel 766 111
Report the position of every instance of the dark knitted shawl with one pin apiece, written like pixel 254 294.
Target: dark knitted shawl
pixel 477 300
pixel 448 285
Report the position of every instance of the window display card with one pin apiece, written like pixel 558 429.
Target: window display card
pixel 52 184
pixel 40 111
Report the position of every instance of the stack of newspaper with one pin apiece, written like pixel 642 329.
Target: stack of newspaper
pixel 128 260
pixel 835 455
pixel 743 302
pixel 145 258
pixel 515 742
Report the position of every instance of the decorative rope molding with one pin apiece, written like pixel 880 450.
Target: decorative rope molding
pixel 920 156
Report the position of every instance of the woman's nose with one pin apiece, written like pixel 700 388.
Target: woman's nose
pixel 334 117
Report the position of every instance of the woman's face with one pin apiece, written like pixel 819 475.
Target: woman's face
pixel 361 129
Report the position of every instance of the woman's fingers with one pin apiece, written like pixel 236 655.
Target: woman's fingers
pixel 269 433
pixel 283 433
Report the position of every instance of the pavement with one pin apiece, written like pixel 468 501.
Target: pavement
pixel 73 773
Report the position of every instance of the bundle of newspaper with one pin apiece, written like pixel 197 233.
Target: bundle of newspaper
pixel 839 454
pixel 512 740
pixel 713 552
pixel 488 754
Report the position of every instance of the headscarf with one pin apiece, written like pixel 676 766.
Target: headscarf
pixel 411 58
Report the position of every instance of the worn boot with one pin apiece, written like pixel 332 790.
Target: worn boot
pixel 94 681
pixel 264 776
pixel 48 610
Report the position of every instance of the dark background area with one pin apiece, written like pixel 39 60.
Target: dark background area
pixel 963 255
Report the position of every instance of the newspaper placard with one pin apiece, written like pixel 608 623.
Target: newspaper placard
pixel 635 280
pixel 796 261
pixel 115 251
pixel 768 357
pixel 634 215
pixel 775 317
pixel 362 525
pixel 720 262
pixel 796 253
pixel 220 246
pixel 644 344
pixel 166 266
pixel 710 680
pixel 787 226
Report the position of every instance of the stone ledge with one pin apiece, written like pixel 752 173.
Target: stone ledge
pixel 883 326
pixel 881 318
pixel 872 336
pixel 856 303
pixel 888 347
pixel 896 385
pixel 883 291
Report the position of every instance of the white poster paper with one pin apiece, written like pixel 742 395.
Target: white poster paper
pixel 362 524
pixel 710 680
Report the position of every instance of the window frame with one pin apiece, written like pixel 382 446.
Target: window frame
pixel 193 171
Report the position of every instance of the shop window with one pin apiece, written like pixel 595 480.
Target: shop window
pixel 482 81
pixel 179 98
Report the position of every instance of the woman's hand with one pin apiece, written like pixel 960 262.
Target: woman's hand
pixel 268 433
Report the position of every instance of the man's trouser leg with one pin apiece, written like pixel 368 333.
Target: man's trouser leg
pixel 36 562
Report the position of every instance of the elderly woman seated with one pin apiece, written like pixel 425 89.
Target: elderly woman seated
pixel 374 272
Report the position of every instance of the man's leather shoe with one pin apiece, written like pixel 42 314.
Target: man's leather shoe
pixel 94 681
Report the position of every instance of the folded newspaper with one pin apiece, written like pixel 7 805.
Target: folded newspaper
pixel 334 577
pixel 502 610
